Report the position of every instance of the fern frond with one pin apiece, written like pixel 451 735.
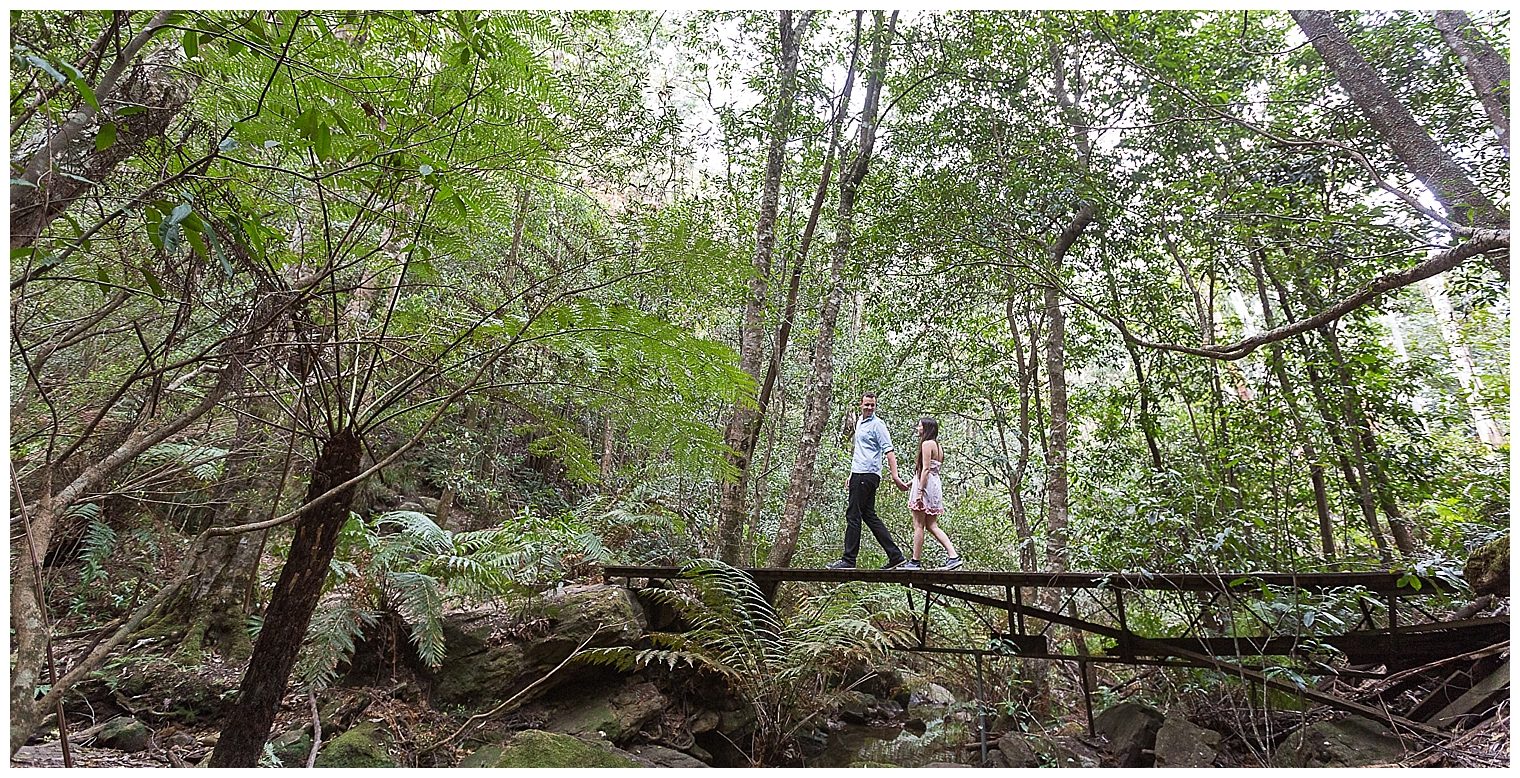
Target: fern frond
pixel 99 542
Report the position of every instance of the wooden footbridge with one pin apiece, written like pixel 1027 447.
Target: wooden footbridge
pixel 1378 621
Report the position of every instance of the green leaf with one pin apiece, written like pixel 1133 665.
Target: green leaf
pixel 104 278
pixel 158 289
pixel 191 44
pixel 78 80
pixel 130 110
pixel 43 65
pixel 106 136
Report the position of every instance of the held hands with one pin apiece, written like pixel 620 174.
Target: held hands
pixel 901 484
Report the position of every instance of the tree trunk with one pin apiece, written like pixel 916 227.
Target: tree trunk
pixel 1015 479
pixel 1461 361
pixel 290 606
pixel 63 164
pixel 1488 71
pixel 1360 434
pixel 1446 179
pixel 1290 397
pixel 816 414
pixel 744 422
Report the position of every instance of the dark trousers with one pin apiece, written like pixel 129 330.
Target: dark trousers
pixel 863 508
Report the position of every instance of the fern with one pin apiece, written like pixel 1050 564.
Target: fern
pixel 99 542
pixel 775 664
pixel 203 462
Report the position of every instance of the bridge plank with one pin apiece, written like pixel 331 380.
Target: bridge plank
pixel 1380 583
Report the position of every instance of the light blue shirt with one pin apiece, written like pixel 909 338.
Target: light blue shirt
pixel 872 442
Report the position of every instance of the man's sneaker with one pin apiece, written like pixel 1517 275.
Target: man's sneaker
pixel 841 565
pixel 951 563
pixel 893 565
pixel 912 565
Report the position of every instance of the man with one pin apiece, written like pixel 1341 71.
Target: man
pixel 872 442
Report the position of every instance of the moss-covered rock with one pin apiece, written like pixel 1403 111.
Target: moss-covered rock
pixel 363 746
pixel 536 748
pixel 292 747
pixel 606 615
pixel 1350 742
pixel 614 718
pixel 1487 570
pixel 123 733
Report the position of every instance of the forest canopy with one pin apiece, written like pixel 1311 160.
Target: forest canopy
pixel 400 308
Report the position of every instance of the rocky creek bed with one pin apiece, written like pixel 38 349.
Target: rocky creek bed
pixel 159 714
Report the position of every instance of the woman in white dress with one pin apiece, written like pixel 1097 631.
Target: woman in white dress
pixel 926 498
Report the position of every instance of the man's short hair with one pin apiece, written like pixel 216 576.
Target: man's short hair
pixel 871 395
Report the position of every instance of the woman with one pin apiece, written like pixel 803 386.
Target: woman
pixel 926 498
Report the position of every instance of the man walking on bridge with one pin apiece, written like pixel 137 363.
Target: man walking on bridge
pixel 872 442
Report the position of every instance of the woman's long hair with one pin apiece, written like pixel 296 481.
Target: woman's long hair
pixel 931 431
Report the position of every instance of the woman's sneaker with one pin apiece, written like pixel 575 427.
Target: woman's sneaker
pixel 951 563
pixel 912 564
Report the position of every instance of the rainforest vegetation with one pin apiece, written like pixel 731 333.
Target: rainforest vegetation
pixel 325 323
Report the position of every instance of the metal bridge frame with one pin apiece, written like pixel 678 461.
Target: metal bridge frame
pixel 1398 643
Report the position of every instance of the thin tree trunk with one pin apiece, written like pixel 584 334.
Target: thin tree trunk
pixel 816 414
pixel 290 606
pixel 744 422
pixel 1461 361
pixel 1316 470
pixel 1015 479
pixel 1365 456
pixel 1488 71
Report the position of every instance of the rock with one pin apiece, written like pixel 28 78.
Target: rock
pixel 609 615
pixel 1131 730
pixel 1349 742
pixel 702 721
pixel 700 753
pixel 1016 751
pixel 1487 570
pixel 613 719
pixel 362 746
pixel 736 723
pixel 339 712
pixel 484 664
pixel 949 764
pixel 1067 751
pixel 853 706
pixel 995 758
pixel 666 757
pixel 292 747
pixel 123 733
pixel 932 694
pixel 1181 743
pixel 536 748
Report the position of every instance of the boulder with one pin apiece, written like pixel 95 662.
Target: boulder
pixel 535 748
pixel 614 719
pixel 1016 751
pixel 484 663
pixel 292 747
pixel 1349 742
pixel 738 722
pixel 702 721
pixel 362 746
pixel 854 707
pixel 1069 752
pixel 932 694
pixel 123 733
pixel 950 764
pixel 1487 569
pixel 666 757
pixel 608 615
pixel 1181 743
pixel 1131 731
